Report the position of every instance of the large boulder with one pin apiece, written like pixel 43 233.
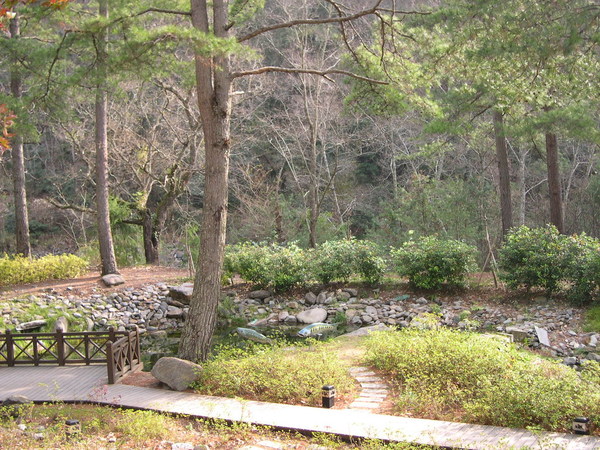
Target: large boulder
pixel 30 326
pixel 113 279
pixel 312 315
pixel 182 293
pixel 261 294
pixel 176 373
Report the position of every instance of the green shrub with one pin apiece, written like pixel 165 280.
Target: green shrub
pixel 535 257
pixel 18 269
pixel 464 376
pixel 274 374
pixel 584 271
pixel 544 258
pixel 339 260
pixel 275 266
pixel 429 262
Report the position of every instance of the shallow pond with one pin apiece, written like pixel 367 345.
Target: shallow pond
pixel 155 346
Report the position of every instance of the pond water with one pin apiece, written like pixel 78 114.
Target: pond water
pixel 155 346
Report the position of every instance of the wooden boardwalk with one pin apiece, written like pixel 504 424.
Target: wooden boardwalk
pixel 88 384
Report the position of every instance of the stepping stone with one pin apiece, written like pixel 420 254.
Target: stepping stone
pixel 370 398
pixel 361 371
pixel 368 379
pixel 364 405
pixel 373 386
pixel 371 391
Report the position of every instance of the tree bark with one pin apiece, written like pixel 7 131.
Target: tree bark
pixel 503 173
pixel 151 238
pixel 554 189
pixel 18 161
pixel 107 252
pixel 213 82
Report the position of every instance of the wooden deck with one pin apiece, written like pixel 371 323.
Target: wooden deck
pixel 88 384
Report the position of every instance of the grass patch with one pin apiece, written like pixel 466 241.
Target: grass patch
pixel 103 427
pixel 592 320
pixel 460 376
pixel 275 374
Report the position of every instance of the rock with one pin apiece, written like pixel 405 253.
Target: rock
pixel 182 446
pixel 322 298
pixel 312 315
pixel 61 324
pixel 310 298
pixel 259 295
pixel 371 310
pixel 282 316
pixel 570 361
pixel 292 305
pixel 356 320
pixel 366 319
pixel 367 330
pixel 174 313
pixel 290 319
pixel 343 296
pixel 593 340
pixel 89 324
pixel 593 357
pixel 33 325
pixel 542 336
pixel 351 291
pixel 182 293
pixel 176 373
pixel 16 400
pixel 113 279
pixel 519 334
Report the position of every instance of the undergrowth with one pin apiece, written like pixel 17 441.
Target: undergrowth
pixel 448 374
pixel 274 374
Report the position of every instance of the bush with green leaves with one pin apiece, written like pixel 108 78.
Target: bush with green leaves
pixel 19 269
pixel 268 266
pixel 274 374
pixel 544 258
pixel 429 262
pixel 535 257
pixel 583 274
pixel 449 374
pixel 339 260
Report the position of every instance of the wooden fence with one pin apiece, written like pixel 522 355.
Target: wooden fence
pixel 120 350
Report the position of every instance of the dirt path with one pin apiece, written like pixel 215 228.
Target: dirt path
pixel 91 282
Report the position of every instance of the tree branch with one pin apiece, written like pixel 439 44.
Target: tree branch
pixel 78 208
pixel 323 73
pixel 292 23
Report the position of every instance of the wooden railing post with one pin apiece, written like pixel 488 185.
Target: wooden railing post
pixel 110 362
pixel 36 355
pixel 60 347
pixel 111 334
pixel 10 350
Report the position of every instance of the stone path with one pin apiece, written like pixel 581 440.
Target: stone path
pixel 373 390
pixel 88 383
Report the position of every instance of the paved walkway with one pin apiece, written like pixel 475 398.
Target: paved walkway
pixel 88 383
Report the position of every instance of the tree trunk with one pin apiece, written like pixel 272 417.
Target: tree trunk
pixel 556 210
pixel 107 252
pixel 213 84
pixel 503 172
pixel 151 238
pixel 18 162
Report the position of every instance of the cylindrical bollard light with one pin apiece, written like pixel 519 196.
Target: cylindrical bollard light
pixel 328 396
pixel 581 425
pixel 72 428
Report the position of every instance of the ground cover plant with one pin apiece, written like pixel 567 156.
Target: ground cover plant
pixel 275 373
pixel 466 377
pixel 19 269
pixel 43 426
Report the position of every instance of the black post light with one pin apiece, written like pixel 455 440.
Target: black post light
pixel 328 396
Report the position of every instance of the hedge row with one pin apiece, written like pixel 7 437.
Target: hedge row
pixel 19 269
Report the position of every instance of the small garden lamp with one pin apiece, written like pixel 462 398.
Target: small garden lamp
pixel 581 425
pixel 328 396
pixel 72 428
